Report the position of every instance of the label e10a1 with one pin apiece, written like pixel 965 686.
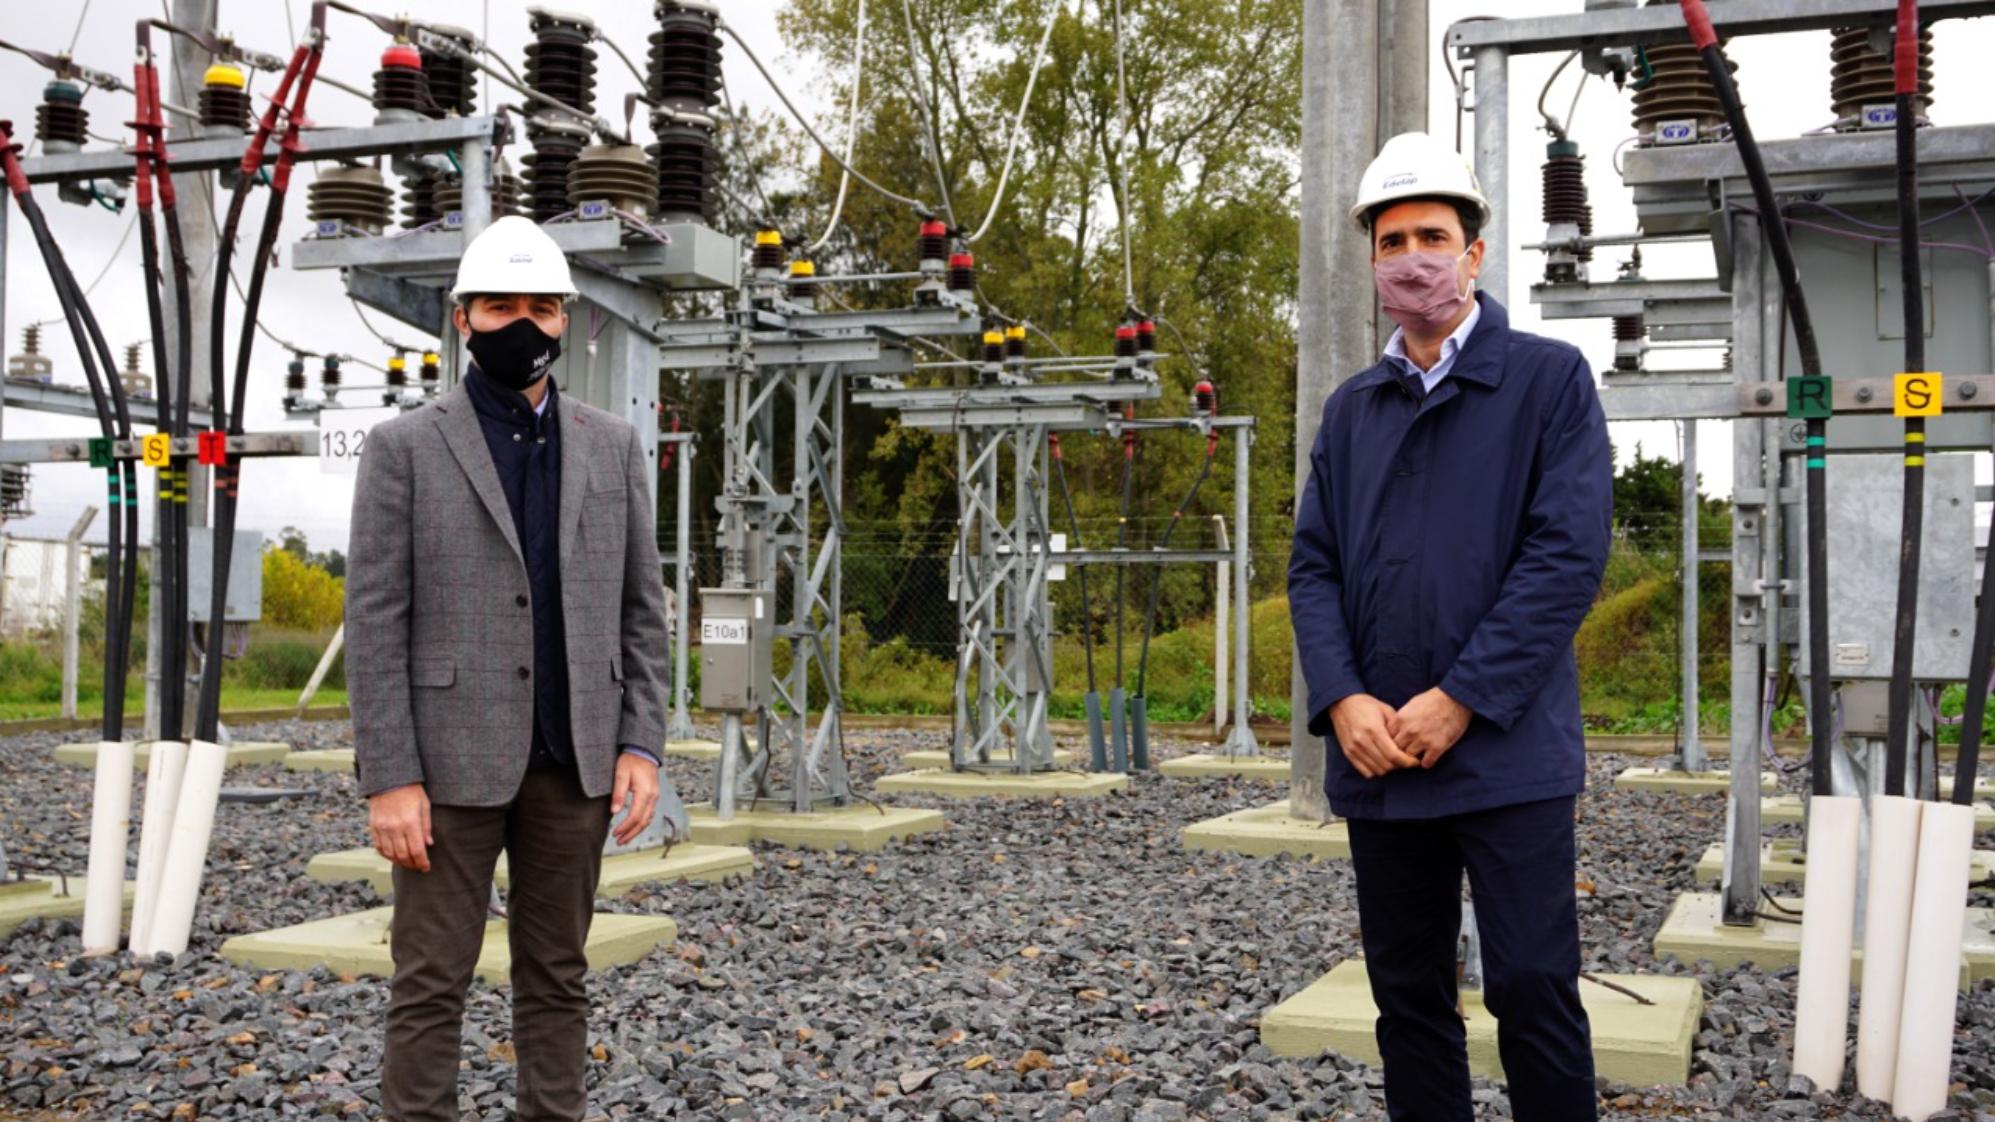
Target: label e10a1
pixel 724 632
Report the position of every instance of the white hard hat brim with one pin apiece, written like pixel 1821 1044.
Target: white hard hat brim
pixel 1361 213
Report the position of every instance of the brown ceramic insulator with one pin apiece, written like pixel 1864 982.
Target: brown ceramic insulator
pixel 223 107
pixel 1860 76
pixel 354 196
pixel 1680 90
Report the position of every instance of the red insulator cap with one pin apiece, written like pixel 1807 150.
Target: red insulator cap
pixel 402 55
pixel 934 228
pixel 1126 331
pixel 962 261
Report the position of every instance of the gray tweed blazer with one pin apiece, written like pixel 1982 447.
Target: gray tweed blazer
pixel 439 632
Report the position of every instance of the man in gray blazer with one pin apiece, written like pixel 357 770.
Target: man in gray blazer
pixel 506 665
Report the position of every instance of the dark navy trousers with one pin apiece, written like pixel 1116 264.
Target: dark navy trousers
pixel 1519 861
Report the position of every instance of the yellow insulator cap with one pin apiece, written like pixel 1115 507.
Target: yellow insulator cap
pixel 431 358
pixel 993 338
pixel 768 237
pixel 398 363
pixel 222 74
pixel 1014 332
pixel 802 269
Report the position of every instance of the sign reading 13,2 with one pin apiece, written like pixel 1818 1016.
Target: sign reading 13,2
pixel 343 436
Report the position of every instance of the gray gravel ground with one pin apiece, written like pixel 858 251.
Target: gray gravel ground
pixel 1034 961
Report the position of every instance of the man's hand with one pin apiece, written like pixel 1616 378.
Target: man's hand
pixel 1429 725
pixel 1366 728
pixel 637 786
pixel 398 820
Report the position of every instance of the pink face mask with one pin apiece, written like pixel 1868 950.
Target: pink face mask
pixel 1420 291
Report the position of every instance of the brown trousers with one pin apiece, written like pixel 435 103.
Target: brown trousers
pixel 552 835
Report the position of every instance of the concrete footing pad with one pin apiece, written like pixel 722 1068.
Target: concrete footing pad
pixel 358 944
pixel 44 898
pixel 320 759
pixel 242 753
pixel 1633 1043
pixel 1781 863
pixel 1268 831
pixel 1686 782
pixel 1984 789
pixel 1207 766
pixel 859 828
pixel 621 873
pixel 1693 930
pixel 982 784
pixel 1783 810
pixel 939 760
pixel 693 749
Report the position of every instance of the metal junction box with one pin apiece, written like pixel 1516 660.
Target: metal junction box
pixel 736 637
pixel 1864 510
pixel 244 603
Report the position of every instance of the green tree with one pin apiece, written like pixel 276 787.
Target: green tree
pixel 1212 208
pixel 298 594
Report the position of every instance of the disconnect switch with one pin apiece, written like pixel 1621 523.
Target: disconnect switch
pixel 736 634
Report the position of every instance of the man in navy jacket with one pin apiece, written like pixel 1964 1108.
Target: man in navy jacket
pixel 1449 541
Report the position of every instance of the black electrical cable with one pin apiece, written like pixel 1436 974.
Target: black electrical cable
pixel 1157 584
pixel 66 291
pixel 121 577
pixel 183 377
pixel 1817 492
pixel 153 168
pixel 303 68
pixel 1904 633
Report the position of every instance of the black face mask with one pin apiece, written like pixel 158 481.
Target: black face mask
pixel 516 355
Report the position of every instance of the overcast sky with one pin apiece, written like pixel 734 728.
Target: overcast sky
pixel 1784 80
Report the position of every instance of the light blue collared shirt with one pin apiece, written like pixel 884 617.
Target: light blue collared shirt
pixel 1395 348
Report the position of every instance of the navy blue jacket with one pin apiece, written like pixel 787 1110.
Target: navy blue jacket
pixel 1457 540
pixel 526 451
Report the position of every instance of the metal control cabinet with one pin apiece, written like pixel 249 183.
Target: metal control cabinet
pixel 244 603
pixel 736 637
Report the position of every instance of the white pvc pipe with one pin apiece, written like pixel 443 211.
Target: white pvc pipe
pixel 110 835
pixel 1932 964
pixel 1828 927
pixel 162 790
pixel 187 849
pixel 1887 925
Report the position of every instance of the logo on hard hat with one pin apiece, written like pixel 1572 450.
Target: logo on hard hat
pixel 520 259
pixel 1403 179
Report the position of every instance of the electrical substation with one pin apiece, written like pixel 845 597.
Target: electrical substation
pixel 1842 326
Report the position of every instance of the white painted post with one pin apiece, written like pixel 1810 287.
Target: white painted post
pixel 72 607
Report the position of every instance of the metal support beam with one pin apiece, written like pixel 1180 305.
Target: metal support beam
pixel 420 306
pixel 686 445
pixel 1658 24
pixel 405 138
pixel 75 401
pixel 1690 751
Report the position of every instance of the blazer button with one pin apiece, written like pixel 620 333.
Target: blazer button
pixel 520 599
pixel 525 673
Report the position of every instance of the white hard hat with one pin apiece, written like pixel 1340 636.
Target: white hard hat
pixel 1414 165
pixel 513 255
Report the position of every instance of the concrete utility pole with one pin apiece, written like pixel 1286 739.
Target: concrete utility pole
pixel 197 229
pixel 1343 124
